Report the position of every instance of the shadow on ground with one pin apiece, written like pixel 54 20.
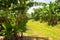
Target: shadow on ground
pixel 27 38
pixel 33 38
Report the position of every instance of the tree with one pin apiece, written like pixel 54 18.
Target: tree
pixel 53 14
pixel 20 18
pixel 58 8
pixel 36 14
pixel 49 13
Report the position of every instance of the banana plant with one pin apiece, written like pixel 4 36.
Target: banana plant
pixel 20 17
pixel 58 8
pixel 52 14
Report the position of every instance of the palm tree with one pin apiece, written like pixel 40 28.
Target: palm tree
pixel 21 18
pixel 52 14
pixel 58 8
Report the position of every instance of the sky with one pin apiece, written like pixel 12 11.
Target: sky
pixel 45 1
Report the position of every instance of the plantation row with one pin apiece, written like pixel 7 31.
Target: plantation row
pixel 49 13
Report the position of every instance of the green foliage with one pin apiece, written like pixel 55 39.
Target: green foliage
pixel 8 30
pixel 14 17
pixel 22 25
pixel 49 12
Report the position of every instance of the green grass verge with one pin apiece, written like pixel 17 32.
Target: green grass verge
pixel 43 29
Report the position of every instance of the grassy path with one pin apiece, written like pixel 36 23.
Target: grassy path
pixel 42 29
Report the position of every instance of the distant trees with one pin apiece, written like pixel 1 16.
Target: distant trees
pixel 48 13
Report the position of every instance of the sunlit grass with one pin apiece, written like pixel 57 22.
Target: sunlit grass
pixel 29 32
pixel 43 29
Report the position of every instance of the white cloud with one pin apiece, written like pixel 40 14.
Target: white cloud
pixel 31 9
pixel 45 1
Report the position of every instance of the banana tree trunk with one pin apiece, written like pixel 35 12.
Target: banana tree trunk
pixel 15 37
pixel 18 18
pixel 21 36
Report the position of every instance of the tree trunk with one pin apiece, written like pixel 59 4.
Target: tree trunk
pixel 18 18
pixel 21 36
pixel 15 37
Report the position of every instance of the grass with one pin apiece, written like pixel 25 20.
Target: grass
pixel 42 29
